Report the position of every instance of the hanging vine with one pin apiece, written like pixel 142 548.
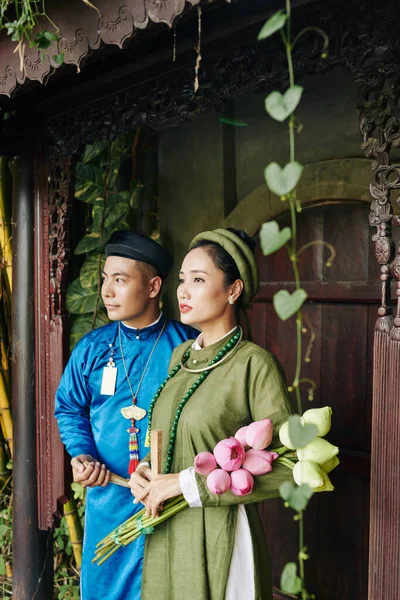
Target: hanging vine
pixel 283 182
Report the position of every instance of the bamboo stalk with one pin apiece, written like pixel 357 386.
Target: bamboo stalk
pixel 5 365
pixel 5 223
pixel 75 529
pixel 6 420
pixel 4 472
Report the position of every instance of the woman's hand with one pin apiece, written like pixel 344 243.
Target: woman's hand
pixel 138 481
pixel 161 488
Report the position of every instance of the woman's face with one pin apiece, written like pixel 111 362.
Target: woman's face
pixel 202 294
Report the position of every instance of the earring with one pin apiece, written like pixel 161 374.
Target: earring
pixel 231 301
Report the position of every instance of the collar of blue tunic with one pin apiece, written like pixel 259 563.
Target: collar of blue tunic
pixel 146 332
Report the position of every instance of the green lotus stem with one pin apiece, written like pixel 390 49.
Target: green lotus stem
pixel 128 531
pixel 285 461
pixel 280 450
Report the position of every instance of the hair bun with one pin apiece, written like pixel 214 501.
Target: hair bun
pixel 249 241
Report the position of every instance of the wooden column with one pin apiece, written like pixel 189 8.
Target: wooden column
pixel 32 548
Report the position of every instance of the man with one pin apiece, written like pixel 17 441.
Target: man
pixel 103 397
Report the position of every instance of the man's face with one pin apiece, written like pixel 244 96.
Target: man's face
pixel 127 289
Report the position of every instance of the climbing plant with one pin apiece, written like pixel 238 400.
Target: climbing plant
pixel 283 182
pixel 112 199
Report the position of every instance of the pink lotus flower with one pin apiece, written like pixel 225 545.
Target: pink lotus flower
pixel 259 462
pixel 204 463
pixel 241 482
pixel 259 434
pixel 241 436
pixel 218 481
pixel 229 454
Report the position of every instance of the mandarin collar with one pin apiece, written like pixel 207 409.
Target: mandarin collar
pixel 198 358
pixel 144 333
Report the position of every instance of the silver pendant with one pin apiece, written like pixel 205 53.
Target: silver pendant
pixel 133 412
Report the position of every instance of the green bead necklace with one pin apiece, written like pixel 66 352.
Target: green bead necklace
pixel 228 347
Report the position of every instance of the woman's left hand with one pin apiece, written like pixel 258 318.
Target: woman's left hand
pixel 161 488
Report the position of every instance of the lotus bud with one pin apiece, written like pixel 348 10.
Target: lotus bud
pixel 320 417
pixel 258 462
pixel 284 436
pixel 308 472
pixel 241 436
pixel 259 434
pixel 327 484
pixel 330 464
pixel 229 454
pixel 242 482
pixel 318 451
pixel 204 463
pixel 218 481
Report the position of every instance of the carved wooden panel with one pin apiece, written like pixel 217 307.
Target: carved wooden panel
pixel 378 79
pixel 51 249
pixel 83 29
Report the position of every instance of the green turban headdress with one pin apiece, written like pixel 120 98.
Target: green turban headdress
pixel 241 254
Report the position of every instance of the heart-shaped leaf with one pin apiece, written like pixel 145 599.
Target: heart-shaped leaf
pixel 296 497
pixel 286 305
pixel 271 239
pixel 290 582
pixel 301 433
pixel 274 23
pixel 280 107
pixel 282 181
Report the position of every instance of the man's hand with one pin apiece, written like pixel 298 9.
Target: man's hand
pixel 94 474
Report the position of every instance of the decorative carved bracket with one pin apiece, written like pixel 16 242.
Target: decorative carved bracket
pixel 112 23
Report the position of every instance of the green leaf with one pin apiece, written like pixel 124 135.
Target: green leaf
pixel 286 305
pixel 274 23
pixel 81 300
pixel 78 490
pixel 89 183
pixel 44 39
pixel 235 122
pixel 89 274
pixel 83 324
pixel 282 181
pixel 297 497
pixel 271 239
pixel 135 195
pixel 2 566
pixel 300 433
pixel 3 530
pixel 92 151
pixel 290 582
pixel 280 107
pixel 52 37
pixel 119 148
pixel 58 59
pixel 89 242
pixel 117 208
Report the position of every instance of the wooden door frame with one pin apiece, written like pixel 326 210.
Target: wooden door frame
pixel 337 180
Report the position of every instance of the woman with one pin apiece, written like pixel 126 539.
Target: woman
pixel 217 384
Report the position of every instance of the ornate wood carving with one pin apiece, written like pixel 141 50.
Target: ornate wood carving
pixel 113 23
pixel 170 100
pixel 378 79
pixel 52 247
